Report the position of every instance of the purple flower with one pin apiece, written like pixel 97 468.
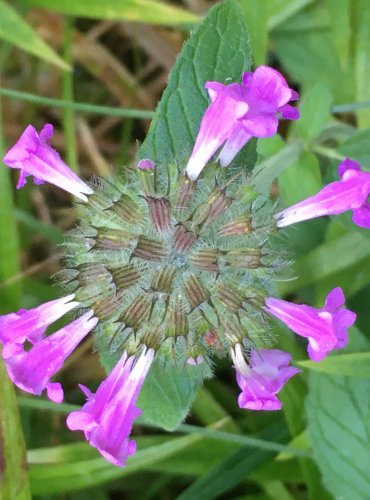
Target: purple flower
pixel 32 370
pixel 108 415
pixel 32 155
pixel 30 325
pixel 146 164
pixel 262 378
pixel 195 360
pixel 325 328
pixel 350 193
pixel 238 112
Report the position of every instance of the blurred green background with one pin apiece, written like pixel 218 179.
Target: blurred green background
pixel 96 70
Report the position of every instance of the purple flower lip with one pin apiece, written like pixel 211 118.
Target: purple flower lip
pixel 108 415
pixel 325 328
pixel 32 370
pixel 146 164
pixel 260 380
pixel 32 155
pixel 238 112
pixel 195 361
pixel 351 192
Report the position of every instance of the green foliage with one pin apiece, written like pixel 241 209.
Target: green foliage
pixel 315 112
pixel 14 475
pixel 256 18
pixel 15 30
pixel 338 414
pixel 234 469
pixel 327 259
pixel 168 393
pixel 218 50
pixel 66 475
pixel 299 180
pixel 267 170
pixel 351 365
pixel 9 248
pixel 357 147
pixel 146 11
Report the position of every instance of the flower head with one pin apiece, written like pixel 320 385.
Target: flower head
pixel 107 416
pixel 238 112
pixel 32 370
pixel 33 155
pixel 350 193
pixel 264 376
pixel 325 328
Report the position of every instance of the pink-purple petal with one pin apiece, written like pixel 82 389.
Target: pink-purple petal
pixel 349 193
pixel 238 112
pixel 214 89
pixel 335 198
pixel 269 85
pixel 30 325
pixel 289 112
pixel 325 328
pixel 32 370
pixel 247 78
pixel 263 378
pixel 334 300
pixel 348 164
pixel 237 140
pixel 146 164
pixel 261 125
pixel 108 415
pixel 33 156
pixel 54 392
pixel 361 216
pixel 215 128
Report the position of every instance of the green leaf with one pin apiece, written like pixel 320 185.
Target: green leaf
pixel 328 259
pixel 340 13
pixel 15 30
pixel 217 50
pixel 9 241
pixel 298 181
pixel 351 365
pixel 168 393
pixel 49 231
pixel 315 112
pixel 299 441
pixel 200 458
pixel 13 468
pixel 234 469
pixel 310 56
pixel 338 410
pixel 48 478
pixel 256 19
pixel 266 171
pixel 293 396
pixel 361 35
pixel 357 147
pixel 281 10
pixel 208 410
pixel 145 11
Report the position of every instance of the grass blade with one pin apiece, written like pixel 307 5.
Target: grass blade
pixel 15 30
